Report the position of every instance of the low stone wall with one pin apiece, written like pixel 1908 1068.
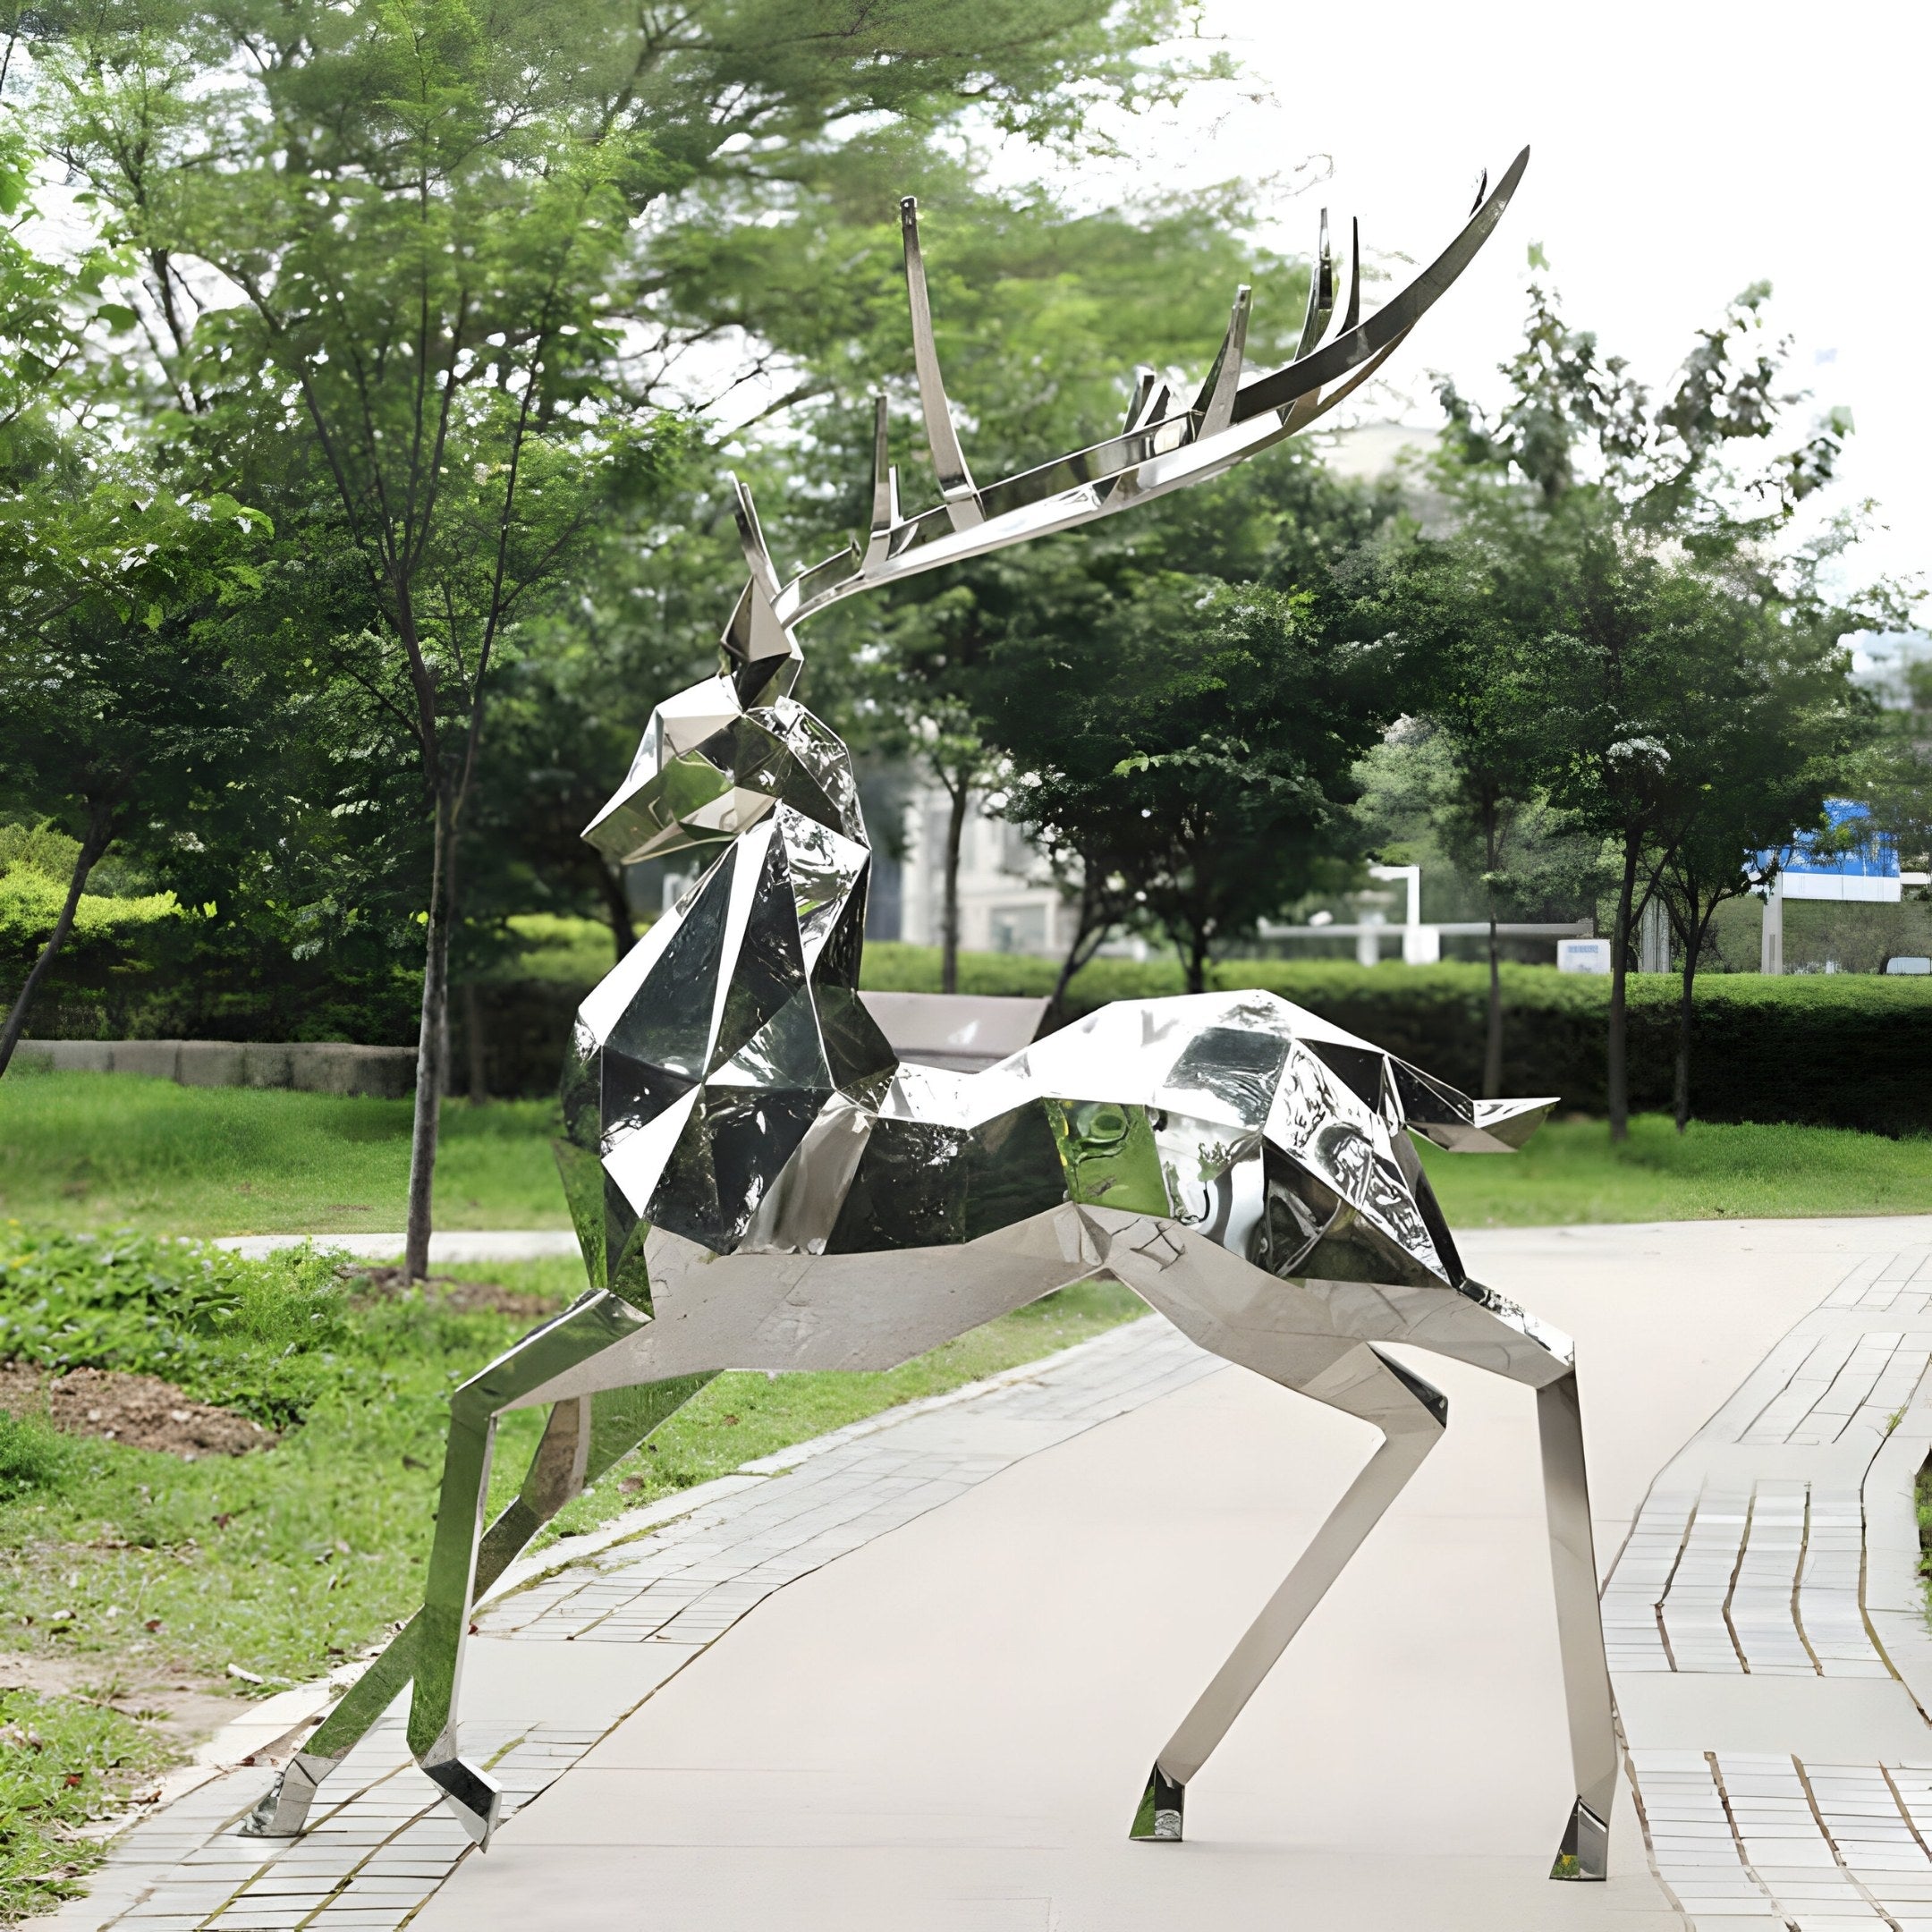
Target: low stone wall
pixel 311 1066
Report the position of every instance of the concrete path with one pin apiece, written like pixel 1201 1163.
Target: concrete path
pixel 916 1682
pixel 482 1244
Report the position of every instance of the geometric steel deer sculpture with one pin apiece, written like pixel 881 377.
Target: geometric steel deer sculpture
pixel 759 1184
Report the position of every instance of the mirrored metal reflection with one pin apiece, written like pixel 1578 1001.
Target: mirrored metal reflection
pixel 758 1183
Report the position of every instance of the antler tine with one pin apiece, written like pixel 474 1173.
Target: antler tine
pixel 1216 403
pixel 949 461
pixel 885 487
pixel 1321 295
pixel 1306 409
pixel 1368 339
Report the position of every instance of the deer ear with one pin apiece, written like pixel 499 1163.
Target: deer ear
pixel 759 654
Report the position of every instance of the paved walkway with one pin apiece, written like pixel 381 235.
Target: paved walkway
pixel 975 1622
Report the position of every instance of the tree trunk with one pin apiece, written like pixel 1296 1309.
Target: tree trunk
pixel 1616 1079
pixel 617 906
pixel 1088 936
pixel 473 1044
pixel 949 915
pixel 1493 1039
pixel 1680 1095
pixel 1693 934
pixel 100 832
pixel 1197 960
pixel 432 1039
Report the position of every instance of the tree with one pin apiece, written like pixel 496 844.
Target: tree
pixel 1200 751
pixel 1770 730
pixel 1482 721
pixel 1426 800
pixel 1602 506
pixel 1025 648
pixel 128 715
pixel 432 216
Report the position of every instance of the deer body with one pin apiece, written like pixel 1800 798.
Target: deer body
pixel 759 1184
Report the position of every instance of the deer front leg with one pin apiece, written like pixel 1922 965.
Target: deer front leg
pixel 1485 1328
pixel 1411 1416
pixel 1584 1853
pixel 585 1436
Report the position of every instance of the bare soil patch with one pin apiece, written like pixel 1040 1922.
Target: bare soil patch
pixel 140 1410
pixel 466 1297
pixel 179 1703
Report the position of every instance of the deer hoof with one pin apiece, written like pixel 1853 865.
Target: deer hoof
pixel 1585 1851
pixel 474 1796
pixel 1159 1819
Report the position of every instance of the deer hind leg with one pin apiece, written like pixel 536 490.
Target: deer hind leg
pixel 1411 1416
pixel 585 1435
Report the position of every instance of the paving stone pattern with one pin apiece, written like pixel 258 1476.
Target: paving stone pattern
pixel 380 1842
pixel 1747 1563
pixel 1747 1555
pixel 1744 1840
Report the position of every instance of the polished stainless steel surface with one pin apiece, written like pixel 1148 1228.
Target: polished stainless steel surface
pixel 759 1182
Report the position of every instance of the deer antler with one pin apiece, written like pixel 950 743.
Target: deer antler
pixel 1160 448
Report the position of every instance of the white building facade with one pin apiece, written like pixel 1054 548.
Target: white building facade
pixel 1008 901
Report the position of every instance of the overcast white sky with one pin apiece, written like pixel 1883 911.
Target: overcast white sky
pixel 1680 151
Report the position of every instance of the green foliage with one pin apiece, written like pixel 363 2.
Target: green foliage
pixel 110 936
pixel 1576 416
pixel 1200 750
pixel 263 1337
pixel 1418 806
pixel 32 1455
pixel 42 848
pixel 65 1761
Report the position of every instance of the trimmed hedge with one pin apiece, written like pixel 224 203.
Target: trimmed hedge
pixel 1838 1050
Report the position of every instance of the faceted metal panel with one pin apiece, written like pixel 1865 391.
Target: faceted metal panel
pixel 757 1183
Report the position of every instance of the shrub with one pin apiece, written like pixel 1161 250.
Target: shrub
pixel 1839 1050
pixel 262 1337
pixel 32 1455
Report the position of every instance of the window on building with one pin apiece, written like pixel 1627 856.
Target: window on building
pixel 1018 928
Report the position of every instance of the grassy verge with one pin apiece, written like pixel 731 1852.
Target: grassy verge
pixel 114 1150
pixel 146 1573
pixel 65 1761
pixel 101 1150
pixel 1569 1173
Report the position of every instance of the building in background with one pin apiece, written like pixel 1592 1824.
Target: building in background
pixel 1007 898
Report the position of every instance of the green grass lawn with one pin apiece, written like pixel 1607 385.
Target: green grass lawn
pixel 1570 1172
pixel 112 1150
pixel 115 1151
